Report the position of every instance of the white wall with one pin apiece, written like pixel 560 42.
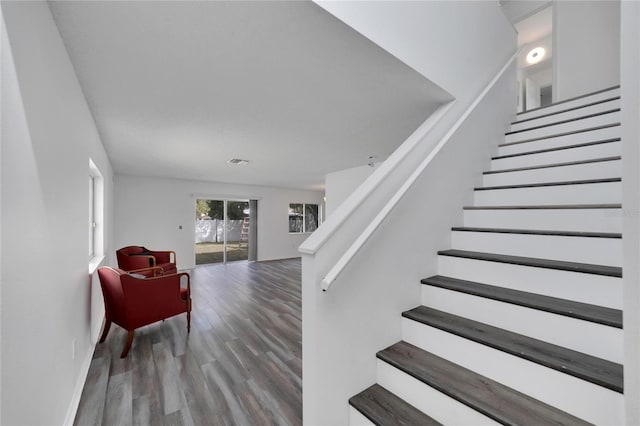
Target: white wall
pixel 149 212
pixel 339 185
pixel 360 314
pixel 48 135
pixel 586 44
pixel 630 103
pixel 457 45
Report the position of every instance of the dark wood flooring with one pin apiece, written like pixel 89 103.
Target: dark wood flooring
pixel 241 364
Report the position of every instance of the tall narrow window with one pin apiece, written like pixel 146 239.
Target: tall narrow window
pixel 96 214
pixel 92 217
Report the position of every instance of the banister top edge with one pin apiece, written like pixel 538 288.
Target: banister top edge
pixel 316 240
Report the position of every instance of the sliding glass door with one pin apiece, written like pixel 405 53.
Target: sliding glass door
pixel 222 231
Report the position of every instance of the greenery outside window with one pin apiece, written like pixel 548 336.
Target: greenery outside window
pixel 303 218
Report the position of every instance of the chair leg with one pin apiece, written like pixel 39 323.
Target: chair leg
pixel 127 345
pixel 188 322
pixel 105 331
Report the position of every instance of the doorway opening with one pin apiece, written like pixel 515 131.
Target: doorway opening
pixel 223 231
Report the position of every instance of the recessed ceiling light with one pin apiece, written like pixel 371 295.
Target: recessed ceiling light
pixel 238 161
pixel 535 55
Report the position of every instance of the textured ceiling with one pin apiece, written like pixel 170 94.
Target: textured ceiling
pixel 179 88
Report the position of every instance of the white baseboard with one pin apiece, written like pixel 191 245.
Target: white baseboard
pixel 77 392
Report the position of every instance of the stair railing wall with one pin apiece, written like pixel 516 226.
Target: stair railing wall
pixel 630 109
pixel 379 278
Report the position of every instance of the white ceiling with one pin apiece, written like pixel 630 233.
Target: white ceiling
pixel 179 88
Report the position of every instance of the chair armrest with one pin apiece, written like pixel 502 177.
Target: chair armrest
pixel 164 256
pixel 152 271
pixel 135 262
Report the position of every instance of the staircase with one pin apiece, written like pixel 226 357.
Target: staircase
pixel 523 323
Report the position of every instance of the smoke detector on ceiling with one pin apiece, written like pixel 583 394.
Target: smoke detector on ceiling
pixel 238 161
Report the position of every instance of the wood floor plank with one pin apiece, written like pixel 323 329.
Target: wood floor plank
pixel 240 365
pixel 118 405
pixel 92 402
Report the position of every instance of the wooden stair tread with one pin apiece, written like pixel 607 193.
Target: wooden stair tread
pixel 614 98
pixel 595 370
pixel 557 148
pixel 548 166
pixel 573 132
pixel 569 308
pixel 569 120
pixel 539 232
pixel 587 268
pixel 545 184
pixel 384 408
pixel 546 207
pixel 503 404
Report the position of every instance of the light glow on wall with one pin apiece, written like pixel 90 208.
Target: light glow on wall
pixel 535 55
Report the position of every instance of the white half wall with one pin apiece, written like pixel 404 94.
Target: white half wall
pixel 48 136
pixel 630 109
pixel 360 314
pixel 150 211
pixel 586 45
pixel 339 185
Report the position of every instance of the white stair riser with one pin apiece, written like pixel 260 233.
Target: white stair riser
pixel 581 220
pixel 357 419
pixel 604 341
pixel 570 139
pixel 599 251
pixel 587 288
pixel 437 405
pixel 599 170
pixel 588 193
pixel 588 152
pixel 575 396
pixel 571 126
pixel 570 104
pixel 567 115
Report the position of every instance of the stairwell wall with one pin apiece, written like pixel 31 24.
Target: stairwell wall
pixel 359 315
pixel 460 46
pixel 586 47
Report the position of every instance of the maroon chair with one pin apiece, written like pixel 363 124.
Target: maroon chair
pixel 133 301
pixel 135 258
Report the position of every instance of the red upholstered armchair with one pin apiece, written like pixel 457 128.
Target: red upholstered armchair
pixel 134 258
pixel 133 300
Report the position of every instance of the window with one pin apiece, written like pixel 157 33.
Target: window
pixel 95 214
pixel 303 217
pixel 92 217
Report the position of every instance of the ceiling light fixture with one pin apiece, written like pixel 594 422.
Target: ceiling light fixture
pixel 535 55
pixel 238 161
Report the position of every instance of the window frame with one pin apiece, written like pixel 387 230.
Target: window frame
pixel 304 217
pixel 96 216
